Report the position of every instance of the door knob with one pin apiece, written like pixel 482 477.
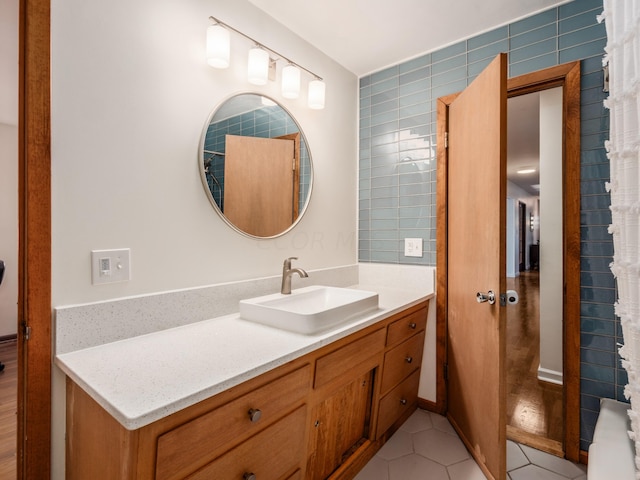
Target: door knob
pixel 486 297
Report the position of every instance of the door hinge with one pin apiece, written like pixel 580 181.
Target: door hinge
pixel 26 331
pixel 446 139
pixel 293 164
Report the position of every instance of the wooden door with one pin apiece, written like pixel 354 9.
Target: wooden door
pixel 476 217
pixel 258 184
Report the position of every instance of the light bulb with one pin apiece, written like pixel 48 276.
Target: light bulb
pixel 258 66
pixel 290 81
pixel 316 94
pixel 218 46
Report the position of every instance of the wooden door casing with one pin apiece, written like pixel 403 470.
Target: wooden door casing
pixel 34 285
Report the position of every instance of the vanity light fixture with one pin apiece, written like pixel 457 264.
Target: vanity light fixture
pixel 261 66
pixel 524 171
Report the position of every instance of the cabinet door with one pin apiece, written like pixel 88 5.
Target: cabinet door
pixel 340 424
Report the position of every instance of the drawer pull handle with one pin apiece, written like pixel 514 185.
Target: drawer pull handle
pixel 255 415
pixel 408 359
pixel 413 325
pixel 403 401
pixel 249 476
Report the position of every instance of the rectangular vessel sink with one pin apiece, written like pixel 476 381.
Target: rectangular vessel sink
pixel 309 310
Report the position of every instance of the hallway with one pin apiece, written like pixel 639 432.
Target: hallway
pixel 8 408
pixel 534 408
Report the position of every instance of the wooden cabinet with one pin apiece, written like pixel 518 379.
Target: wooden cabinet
pixel 185 448
pixel 340 424
pixel 344 387
pixel 321 416
pixel 272 454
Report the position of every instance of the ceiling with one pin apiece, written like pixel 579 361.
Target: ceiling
pixel 523 141
pixel 365 36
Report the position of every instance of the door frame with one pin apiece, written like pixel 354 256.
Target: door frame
pixel 568 77
pixel 34 244
pixel 522 240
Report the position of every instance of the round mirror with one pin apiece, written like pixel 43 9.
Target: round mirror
pixel 255 165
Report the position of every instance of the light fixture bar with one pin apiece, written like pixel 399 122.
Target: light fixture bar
pixel 214 19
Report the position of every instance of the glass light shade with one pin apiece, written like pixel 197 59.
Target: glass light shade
pixel 218 46
pixel 316 94
pixel 290 81
pixel 258 66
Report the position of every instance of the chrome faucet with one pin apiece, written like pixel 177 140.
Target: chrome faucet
pixel 287 272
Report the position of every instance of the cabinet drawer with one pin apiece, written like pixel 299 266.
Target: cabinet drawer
pixel 397 402
pixel 406 326
pixel 195 443
pixel 400 361
pixel 272 454
pixel 346 358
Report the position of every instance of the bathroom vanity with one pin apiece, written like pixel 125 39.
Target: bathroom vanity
pixel 319 409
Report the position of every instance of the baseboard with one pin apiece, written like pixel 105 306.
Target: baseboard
pixel 584 457
pixel 429 406
pixel 551 376
pixel 8 338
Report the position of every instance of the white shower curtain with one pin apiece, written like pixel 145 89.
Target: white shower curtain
pixel 622 21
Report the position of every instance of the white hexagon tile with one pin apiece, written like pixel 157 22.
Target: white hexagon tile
pixel 426 447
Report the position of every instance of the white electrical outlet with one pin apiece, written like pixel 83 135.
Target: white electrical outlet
pixel 412 247
pixel 110 266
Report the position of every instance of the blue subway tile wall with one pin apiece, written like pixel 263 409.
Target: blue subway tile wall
pixel 397 191
pixel 266 122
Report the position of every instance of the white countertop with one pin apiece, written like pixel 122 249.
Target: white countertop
pixel 145 378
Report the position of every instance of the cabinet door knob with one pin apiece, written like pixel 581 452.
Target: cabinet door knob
pixel 408 359
pixel 249 476
pixel 403 401
pixel 412 325
pixel 255 415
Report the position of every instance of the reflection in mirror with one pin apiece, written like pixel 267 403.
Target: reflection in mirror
pixel 256 166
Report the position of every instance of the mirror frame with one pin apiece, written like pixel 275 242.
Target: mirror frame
pixel 203 175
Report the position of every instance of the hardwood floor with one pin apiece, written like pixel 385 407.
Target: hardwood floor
pixel 534 408
pixel 8 409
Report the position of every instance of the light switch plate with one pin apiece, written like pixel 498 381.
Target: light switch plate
pixel 412 247
pixel 110 266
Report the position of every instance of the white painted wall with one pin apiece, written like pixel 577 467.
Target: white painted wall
pixel 9 62
pixel 9 228
pixel 551 273
pixel 9 165
pixel 130 94
pixel 513 237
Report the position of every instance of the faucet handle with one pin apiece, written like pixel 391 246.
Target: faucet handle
pixel 287 261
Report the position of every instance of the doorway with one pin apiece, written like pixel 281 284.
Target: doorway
pixel 567 76
pixel 534 380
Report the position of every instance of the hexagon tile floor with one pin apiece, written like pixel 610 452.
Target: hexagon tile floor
pixel 427 447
